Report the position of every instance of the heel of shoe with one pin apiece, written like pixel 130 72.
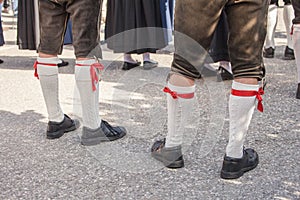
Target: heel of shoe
pixel 176 164
pixel 90 141
pixel 55 135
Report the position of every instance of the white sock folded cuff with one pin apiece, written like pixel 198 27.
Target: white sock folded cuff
pixel 46 70
pixel 245 87
pixel 52 60
pixel 82 73
pixel 86 62
pixel 181 90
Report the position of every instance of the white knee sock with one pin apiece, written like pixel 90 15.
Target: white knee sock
pixel 271 26
pixel 89 98
pixel 241 109
pixel 48 76
pixel 178 110
pixel 288 16
pixel 296 41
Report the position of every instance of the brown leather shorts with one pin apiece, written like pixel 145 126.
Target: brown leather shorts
pixel 85 16
pixel 296 6
pixel 197 20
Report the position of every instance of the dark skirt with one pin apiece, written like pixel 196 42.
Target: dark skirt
pixel 130 26
pixel 68 34
pixel 26 25
pixel 1 32
pixel 167 10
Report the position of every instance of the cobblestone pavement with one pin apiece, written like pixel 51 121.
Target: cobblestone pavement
pixel 32 167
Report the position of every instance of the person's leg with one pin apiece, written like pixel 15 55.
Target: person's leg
pixel 86 43
pixel 288 16
pixel 15 7
pixel 269 46
pixel 52 16
pixel 148 63
pixel 247 66
pixel 296 41
pixel 187 64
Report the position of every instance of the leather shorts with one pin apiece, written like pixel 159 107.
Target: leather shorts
pixel 85 16
pixel 195 22
pixel 296 6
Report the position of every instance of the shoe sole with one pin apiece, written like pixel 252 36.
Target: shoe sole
pixel 98 140
pixel 288 58
pixel 235 175
pixel 172 165
pixel 149 66
pixel 268 56
pixel 60 133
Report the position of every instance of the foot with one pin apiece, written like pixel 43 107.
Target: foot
pixel 63 63
pixel 104 133
pixel 223 74
pixel 235 167
pixel 149 64
pixel 129 65
pixel 171 157
pixel 57 129
pixel 298 92
pixel 289 54
pixel 268 52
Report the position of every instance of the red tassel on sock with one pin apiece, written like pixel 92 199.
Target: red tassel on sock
pixel 93 73
pixel 38 63
pixel 246 93
pixel 175 95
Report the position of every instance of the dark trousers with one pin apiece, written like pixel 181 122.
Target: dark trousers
pixel 296 6
pixel 85 16
pixel 195 23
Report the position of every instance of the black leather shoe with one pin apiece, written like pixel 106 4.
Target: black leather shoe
pixel 268 52
pixel 298 92
pixel 149 64
pixel 171 157
pixel 57 129
pixel 104 133
pixel 235 167
pixel 128 65
pixel 223 74
pixel 288 54
pixel 63 63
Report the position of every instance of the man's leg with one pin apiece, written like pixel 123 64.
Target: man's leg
pixel 247 69
pixel 187 64
pixel 87 69
pixel 51 17
pixel 269 46
pixel 296 40
pixel 288 16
